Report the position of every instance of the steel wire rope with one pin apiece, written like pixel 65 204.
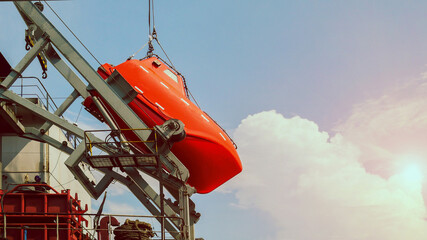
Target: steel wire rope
pixel 152 33
pixel 78 115
pixel 171 63
pixel 57 161
pixel 157 40
pixel 195 101
pixel 189 92
pixel 59 182
pixel 119 185
pixel 152 10
pixel 69 29
pixel 72 33
pixel 149 17
pixel 133 55
pixel 72 180
pixel 149 30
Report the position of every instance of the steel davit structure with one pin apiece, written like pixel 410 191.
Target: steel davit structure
pixel 47 43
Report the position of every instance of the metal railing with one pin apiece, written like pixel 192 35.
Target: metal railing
pixel 41 92
pixel 113 139
pixel 87 233
pixel 37 90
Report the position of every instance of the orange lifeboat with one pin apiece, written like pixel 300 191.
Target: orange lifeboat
pixel 207 151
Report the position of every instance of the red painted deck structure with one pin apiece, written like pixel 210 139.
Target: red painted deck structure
pixel 34 214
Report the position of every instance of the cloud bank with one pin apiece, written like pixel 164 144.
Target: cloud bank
pixel 351 185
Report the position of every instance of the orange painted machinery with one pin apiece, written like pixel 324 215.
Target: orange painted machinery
pixel 207 151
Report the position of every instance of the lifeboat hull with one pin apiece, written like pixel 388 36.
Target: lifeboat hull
pixel 207 151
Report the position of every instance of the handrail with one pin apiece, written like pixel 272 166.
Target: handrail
pixel 33 185
pixel 43 91
pixel 90 144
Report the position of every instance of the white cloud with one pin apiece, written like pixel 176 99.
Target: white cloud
pixel 122 208
pixel 117 189
pixel 314 187
pixel 390 128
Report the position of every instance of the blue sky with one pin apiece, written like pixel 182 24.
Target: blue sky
pixel 344 79
pixel 280 55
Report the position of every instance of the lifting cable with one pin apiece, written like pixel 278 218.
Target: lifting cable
pixel 72 32
pixel 152 35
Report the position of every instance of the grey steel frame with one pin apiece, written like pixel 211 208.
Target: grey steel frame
pixel 48 41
